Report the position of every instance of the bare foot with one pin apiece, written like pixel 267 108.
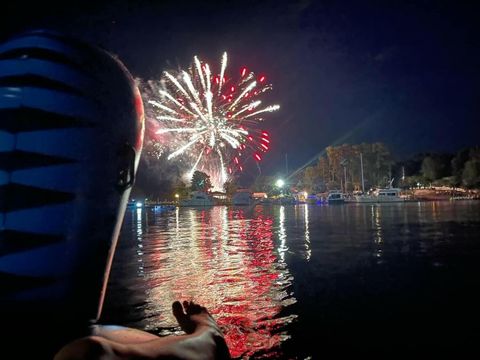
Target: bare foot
pixel 187 324
pixel 194 318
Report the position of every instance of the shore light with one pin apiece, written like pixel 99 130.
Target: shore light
pixel 280 183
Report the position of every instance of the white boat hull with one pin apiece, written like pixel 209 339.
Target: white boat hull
pixel 242 203
pixel 242 198
pixel 336 201
pixel 196 203
pixel 335 197
pixel 375 199
pixel 198 199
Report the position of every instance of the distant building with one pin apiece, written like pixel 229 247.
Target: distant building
pixel 218 195
pixel 259 195
pixel 242 197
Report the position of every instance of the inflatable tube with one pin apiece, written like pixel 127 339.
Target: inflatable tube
pixel 71 132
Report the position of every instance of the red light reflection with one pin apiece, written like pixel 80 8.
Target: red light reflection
pixel 227 261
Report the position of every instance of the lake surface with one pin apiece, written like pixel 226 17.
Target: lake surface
pixel 306 281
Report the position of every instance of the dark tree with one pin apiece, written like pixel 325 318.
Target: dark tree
pixel 200 181
pixel 436 166
pixel 458 164
pixel 181 189
pixel 230 187
pixel 263 184
pixel 471 173
pixel 430 169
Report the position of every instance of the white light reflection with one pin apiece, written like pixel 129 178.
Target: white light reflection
pixel 177 222
pixel 224 235
pixel 140 271
pixel 307 233
pixel 282 235
pixel 376 220
pixel 378 226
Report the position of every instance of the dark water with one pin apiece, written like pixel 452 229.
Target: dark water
pixel 308 281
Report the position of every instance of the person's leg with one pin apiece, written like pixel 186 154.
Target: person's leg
pixel 204 340
pixel 121 334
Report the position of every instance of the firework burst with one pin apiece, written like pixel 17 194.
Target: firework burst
pixel 210 121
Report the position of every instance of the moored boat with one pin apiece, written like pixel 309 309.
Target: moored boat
pixel 242 197
pixel 335 197
pixel 198 198
pixel 381 196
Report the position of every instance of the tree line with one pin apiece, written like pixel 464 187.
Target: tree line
pixel 461 169
pixel 340 167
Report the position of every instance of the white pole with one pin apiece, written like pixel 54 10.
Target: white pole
pixel 361 167
pixel 286 164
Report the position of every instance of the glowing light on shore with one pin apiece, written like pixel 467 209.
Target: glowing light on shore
pixel 279 183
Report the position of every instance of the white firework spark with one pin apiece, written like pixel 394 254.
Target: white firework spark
pixel 212 120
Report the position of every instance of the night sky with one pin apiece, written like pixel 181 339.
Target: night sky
pixel 405 73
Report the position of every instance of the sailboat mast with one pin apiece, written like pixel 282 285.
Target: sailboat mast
pixel 361 169
pixel 286 164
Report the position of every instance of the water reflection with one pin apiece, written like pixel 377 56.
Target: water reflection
pixel 342 261
pixel 139 237
pixel 226 259
pixel 308 249
pixel 282 234
pixel 377 226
